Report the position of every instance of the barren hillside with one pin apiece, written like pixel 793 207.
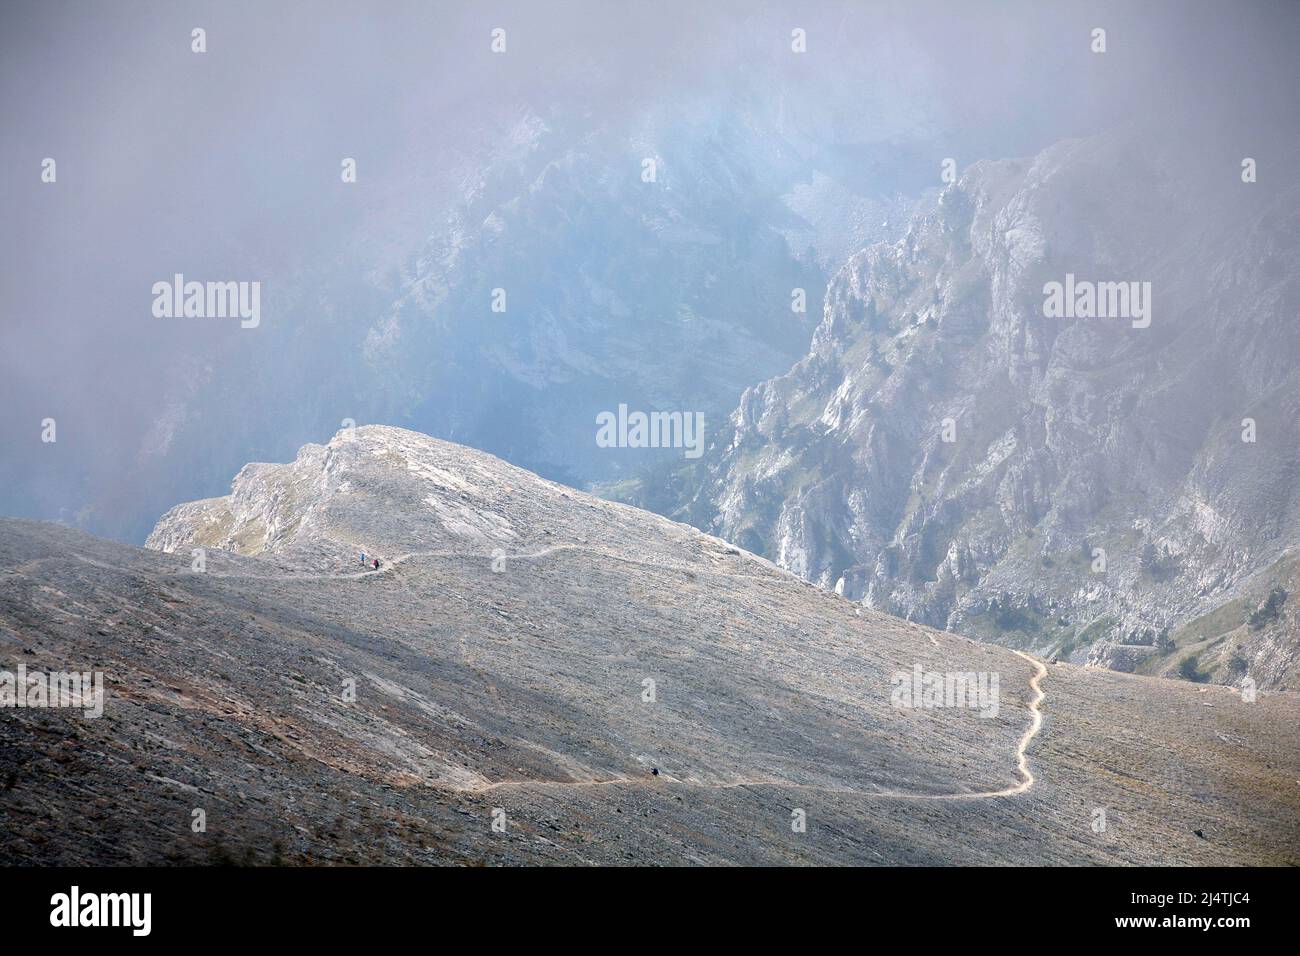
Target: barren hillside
pixel 533 650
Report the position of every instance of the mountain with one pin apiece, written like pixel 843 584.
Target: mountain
pixel 673 294
pixel 1253 634
pixel 949 453
pixel 606 684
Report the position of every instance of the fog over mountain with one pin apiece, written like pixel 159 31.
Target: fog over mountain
pixel 674 433
pixel 1082 485
pixel 519 171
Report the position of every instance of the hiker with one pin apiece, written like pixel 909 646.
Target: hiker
pixel 376 564
pixel 363 559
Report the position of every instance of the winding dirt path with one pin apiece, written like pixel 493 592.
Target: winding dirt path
pixel 1022 761
pixel 387 566
pixel 1022 767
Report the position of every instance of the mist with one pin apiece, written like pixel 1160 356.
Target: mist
pixel 225 165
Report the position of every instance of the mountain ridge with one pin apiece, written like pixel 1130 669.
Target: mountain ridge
pixel 1067 435
pixel 612 686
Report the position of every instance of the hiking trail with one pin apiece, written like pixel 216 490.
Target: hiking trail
pixel 1022 762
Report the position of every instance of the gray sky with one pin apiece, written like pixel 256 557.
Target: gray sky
pixel 226 164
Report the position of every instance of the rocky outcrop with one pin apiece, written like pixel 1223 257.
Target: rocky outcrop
pixel 538 676
pixel 950 453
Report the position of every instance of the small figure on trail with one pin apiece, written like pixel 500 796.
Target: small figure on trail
pixel 376 564
pixel 363 557
pixel 655 771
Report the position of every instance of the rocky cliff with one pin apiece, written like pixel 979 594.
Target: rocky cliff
pixel 952 452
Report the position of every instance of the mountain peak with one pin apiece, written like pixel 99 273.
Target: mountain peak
pixel 388 491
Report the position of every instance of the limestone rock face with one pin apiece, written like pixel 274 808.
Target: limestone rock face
pixel 1069 437
pixel 389 491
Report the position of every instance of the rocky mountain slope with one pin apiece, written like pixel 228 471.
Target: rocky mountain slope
pixel 604 685
pixel 672 294
pixel 1250 636
pixel 1080 486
